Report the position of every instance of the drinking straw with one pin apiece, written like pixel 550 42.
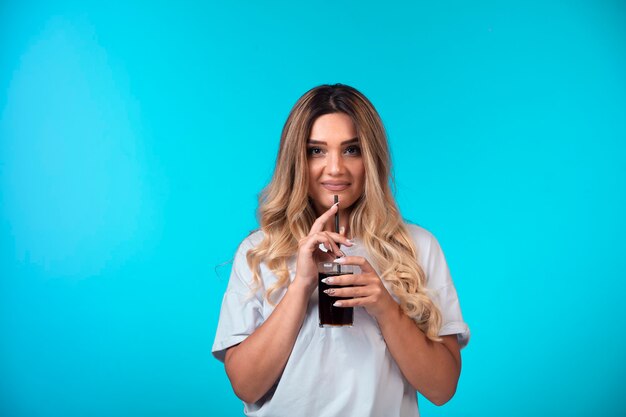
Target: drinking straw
pixel 336 200
pixel 336 197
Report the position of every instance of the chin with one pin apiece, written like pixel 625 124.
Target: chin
pixel 325 199
pixel 345 201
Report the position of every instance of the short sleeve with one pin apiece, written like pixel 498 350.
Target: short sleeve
pixel 242 309
pixel 443 292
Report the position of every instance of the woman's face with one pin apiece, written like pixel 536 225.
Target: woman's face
pixel 335 162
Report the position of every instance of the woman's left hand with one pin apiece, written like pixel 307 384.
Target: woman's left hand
pixel 366 288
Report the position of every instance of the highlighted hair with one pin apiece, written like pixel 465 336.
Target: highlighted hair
pixel 286 214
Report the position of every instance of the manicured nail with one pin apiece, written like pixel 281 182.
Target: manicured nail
pixel 352 241
pixel 342 230
pixel 340 260
pixel 338 304
pixel 330 291
pixel 328 280
pixel 342 254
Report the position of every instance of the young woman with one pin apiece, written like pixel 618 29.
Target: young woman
pixel 408 329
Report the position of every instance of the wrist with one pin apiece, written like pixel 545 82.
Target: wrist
pixel 302 287
pixel 389 315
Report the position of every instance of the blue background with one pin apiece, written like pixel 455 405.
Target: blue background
pixel 135 137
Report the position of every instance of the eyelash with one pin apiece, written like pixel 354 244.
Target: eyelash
pixel 312 151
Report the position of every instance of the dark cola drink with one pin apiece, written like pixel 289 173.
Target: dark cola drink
pixel 331 316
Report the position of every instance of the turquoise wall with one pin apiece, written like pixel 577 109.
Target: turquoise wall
pixel 135 136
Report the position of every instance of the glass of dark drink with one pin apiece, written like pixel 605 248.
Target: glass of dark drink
pixel 331 316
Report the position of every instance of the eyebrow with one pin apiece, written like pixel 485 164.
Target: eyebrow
pixel 321 142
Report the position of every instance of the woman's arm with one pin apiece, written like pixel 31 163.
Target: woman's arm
pixel 432 368
pixel 255 364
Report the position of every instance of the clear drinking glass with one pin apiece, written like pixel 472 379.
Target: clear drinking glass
pixel 331 316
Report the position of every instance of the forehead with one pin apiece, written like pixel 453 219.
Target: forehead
pixel 334 126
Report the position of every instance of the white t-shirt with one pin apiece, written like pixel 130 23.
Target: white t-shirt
pixel 345 371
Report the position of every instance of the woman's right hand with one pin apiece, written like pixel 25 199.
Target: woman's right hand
pixel 309 253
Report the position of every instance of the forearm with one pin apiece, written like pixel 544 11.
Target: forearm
pixel 255 364
pixel 430 367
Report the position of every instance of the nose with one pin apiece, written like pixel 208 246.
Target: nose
pixel 334 164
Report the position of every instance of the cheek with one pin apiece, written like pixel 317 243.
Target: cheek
pixel 359 174
pixel 315 170
pixel 314 167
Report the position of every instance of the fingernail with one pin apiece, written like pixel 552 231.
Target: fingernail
pixel 341 254
pixel 330 291
pixel 342 230
pixel 352 241
pixel 338 304
pixel 340 260
pixel 328 280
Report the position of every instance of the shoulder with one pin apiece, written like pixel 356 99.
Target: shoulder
pixel 251 241
pixel 430 253
pixel 240 267
pixel 422 237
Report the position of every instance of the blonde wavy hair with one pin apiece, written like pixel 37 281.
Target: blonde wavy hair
pixel 286 213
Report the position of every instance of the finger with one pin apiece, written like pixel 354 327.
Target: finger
pixel 354 302
pixel 337 237
pixel 332 245
pixel 313 241
pixel 347 279
pixel 356 260
pixel 350 292
pixel 318 225
pixel 321 242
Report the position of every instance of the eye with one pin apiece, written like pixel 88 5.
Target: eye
pixel 314 151
pixel 353 150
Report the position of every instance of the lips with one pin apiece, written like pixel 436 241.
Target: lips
pixel 335 186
